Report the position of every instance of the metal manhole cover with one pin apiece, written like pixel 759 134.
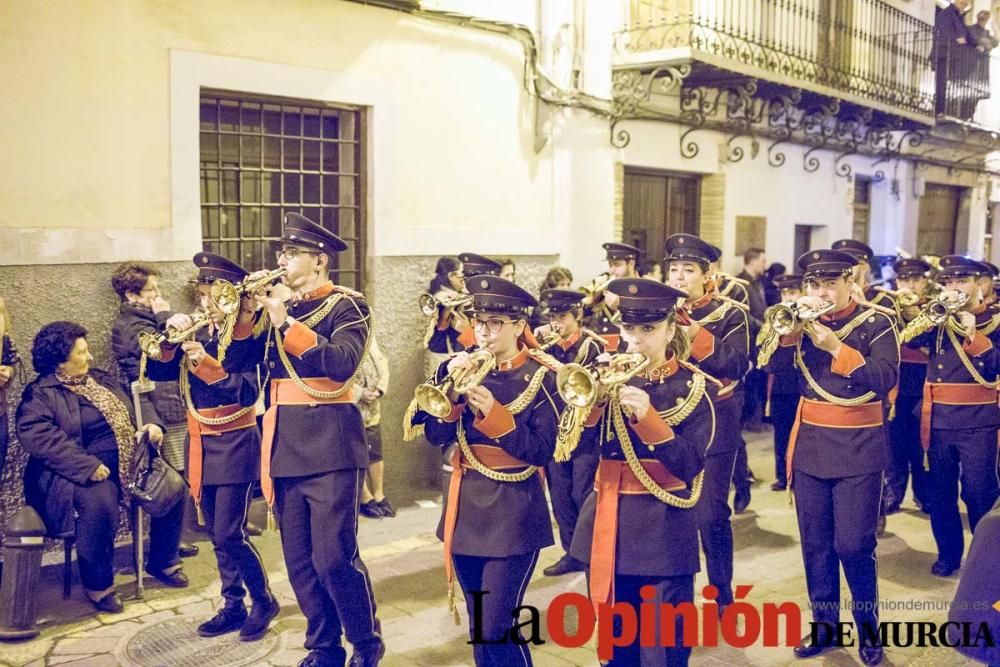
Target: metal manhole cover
pixel 175 643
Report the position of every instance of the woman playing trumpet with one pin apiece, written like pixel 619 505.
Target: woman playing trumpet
pixel 446 323
pixel 638 530
pixel 495 519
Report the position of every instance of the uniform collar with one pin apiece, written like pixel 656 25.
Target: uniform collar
pixel 566 343
pixel 664 370
pixel 702 302
pixel 841 314
pixel 324 290
pixel 514 362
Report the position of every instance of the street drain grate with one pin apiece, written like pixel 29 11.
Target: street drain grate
pixel 175 643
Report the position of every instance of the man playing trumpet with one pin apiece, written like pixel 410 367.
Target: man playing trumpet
pixel 847 361
pixel 601 305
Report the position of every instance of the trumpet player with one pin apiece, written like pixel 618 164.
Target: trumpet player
pixel 906 456
pixel 862 272
pixel 313 450
pixel 959 414
pixel 570 482
pixel 495 519
pixel 223 459
pixel 638 529
pixel 717 332
pixel 447 324
pixel 847 362
pixel 988 285
pixel 783 391
pixel 602 306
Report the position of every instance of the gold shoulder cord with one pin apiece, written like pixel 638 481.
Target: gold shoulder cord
pixel 672 416
pixel 717 314
pixel 312 320
pixel 841 334
pixel 964 358
pixel 991 326
pixel 517 406
pixel 185 383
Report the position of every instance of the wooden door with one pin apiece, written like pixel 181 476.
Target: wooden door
pixel 656 205
pixel 938 218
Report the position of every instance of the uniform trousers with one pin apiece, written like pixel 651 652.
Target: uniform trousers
pixel 669 590
pixel 906 454
pixel 501 584
pixel 969 455
pixel 226 507
pixel 713 514
pixel 570 483
pixel 783 409
pixel 837 522
pixel 319 538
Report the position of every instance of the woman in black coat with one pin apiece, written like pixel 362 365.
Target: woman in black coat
pixel 78 430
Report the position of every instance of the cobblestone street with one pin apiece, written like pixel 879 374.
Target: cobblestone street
pixel 404 559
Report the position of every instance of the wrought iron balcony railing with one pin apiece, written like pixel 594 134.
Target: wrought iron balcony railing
pixel 967 84
pixel 860 50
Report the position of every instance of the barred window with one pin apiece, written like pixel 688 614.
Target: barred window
pixel 262 157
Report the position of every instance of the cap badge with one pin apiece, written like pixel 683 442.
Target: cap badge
pixel 633 289
pixel 204 260
pixel 681 240
pixel 484 284
pixel 815 255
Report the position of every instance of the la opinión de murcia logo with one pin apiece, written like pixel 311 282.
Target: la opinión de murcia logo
pixel 741 625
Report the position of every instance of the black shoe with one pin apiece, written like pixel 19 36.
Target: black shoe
pixel 741 499
pixel 370 510
pixel 256 624
pixel 176 579
pixel 871 655
pixel 944 568
pixel 253 530
pixel 324 659
pixel 109 604
pixel 779 486
pixel 808 649
pixel 369 657
pixel 880 526
pixel 386 508
pixel 752 478
pixel 564 565
pixel 227 619
pixel 187 550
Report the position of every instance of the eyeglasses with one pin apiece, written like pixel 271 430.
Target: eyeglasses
pixel 493 324
pixel 292 253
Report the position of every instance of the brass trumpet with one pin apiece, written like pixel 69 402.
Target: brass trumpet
pixel 783 317
pixel 549 337
pixel 226 295
pixel 433 399
pixel 592 291
pixel 150 343
pixel 939 309
pixel 580 385
pixel 429 303
pixel 904 297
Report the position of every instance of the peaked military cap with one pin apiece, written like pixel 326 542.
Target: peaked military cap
pixel 856 249
pixel 560 300
pixel 476 265
pixel 493 294
pixel 643 301
pixel 993 269
pixel 957 266
pixel 687 247
pixel 620 251
pixel 212 267
pixel 302 231
pixel 911 267
pixel 788 281
pixel 826 263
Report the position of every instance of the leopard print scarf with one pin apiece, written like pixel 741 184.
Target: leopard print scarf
pixel 117 415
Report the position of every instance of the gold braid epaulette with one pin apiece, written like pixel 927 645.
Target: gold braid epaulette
pixel 717 314
pixel 683 363
pixel 516 406
pixel 969 366
pixel 733 302
pixel 991 326
pixel 545 359
pixel 678 413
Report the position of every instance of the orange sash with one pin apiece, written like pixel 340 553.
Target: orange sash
pixel 950 393
pixel 196 430
pixel 821 413
pixel 615 478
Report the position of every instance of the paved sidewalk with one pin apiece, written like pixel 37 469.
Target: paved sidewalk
pixel 404 559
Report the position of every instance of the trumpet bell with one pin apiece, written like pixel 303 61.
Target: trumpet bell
pixel 576 386
pixel 149 343
pixel 428 305
pixel 433 400
pixel 226 296
pixel 783 319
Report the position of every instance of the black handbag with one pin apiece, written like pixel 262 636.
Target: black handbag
pixel 156 486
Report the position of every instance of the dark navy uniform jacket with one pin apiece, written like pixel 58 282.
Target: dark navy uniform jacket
pixel 232 457
pixel 655 539
pixel 869 361
pixel 500 519
pixel 321 437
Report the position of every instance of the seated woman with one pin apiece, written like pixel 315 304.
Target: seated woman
pixel 78 430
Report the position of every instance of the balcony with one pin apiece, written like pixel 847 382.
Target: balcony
pixel 861 52
pixel 967 86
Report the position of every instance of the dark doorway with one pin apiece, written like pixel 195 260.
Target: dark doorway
pixel 657 204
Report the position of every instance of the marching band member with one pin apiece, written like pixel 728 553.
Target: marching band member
pixel 783 391
pixel 602 306
pixel 847 361
pixel 906 456
pixel 959 414
pixel 717 331
pixel 223 457
pixel 639 528
pixel 495 520
pixel 570 482
pixel 862 272
pixel 313 453
pixel 448 322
